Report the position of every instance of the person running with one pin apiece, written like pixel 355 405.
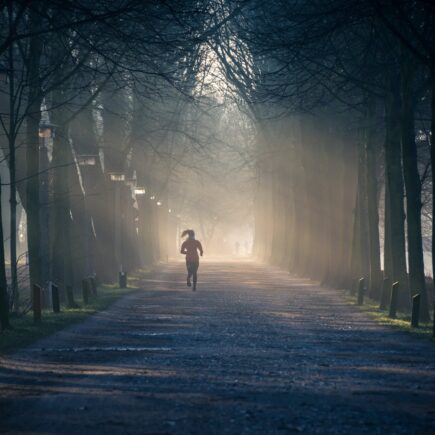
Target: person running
pixel 190 248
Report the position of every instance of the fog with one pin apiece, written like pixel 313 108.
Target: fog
pixel 299 142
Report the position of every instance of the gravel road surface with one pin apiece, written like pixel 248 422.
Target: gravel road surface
pixel 254 350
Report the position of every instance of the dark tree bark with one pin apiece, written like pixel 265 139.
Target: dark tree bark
pixel 413 190
pixel 360 247
pixel 4 298
pixel 309 243
pixel 348 182
pixel 114 138
pixel 388 262
pixel 145 230
pixel 278 203
pixel 32 159
pixel 345 192
pixel 12 163
pixel 372 203
pixel 432 158
pixel 394 178
pixel 97 200
pixel 62 165
pixel 332 211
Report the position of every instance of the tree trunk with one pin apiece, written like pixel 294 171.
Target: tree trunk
pixel 432 158
pixel 32 194
pixel 145 230
pixel 32 155
pixel 91 206
pixel 394 178
pixel 278 207
pixel 332 210
pixel 372 203
pixel 363 236
pixel 308 229
pixel 388 265
pixel 114 102
pixel 4 299
pixel 12 169
pixel 297 207
pixel 413 191
pixel 62 163
pixel 348 182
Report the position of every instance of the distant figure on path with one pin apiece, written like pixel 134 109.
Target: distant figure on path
pixel 237 248
pixel 190 248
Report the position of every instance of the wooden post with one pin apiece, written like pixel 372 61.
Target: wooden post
pixel 361 289
pixel 93 285
pixel 385 294
pixel 415 310
pixel 37 303
pixel 55 298
pixel 85 291
pixel 122 279
pixel 394 300
pixel 70 297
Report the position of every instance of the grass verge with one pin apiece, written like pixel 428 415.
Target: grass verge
pixel 24 332
pixel 402 321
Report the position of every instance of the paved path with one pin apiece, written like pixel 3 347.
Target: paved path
pixel 253 351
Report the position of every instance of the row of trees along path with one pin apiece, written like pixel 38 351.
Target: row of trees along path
pixel 342 96
pixel 342 110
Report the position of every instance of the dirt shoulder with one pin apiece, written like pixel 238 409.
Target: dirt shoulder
pixel 23 331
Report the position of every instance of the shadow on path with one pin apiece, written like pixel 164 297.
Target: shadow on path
pixel 254 350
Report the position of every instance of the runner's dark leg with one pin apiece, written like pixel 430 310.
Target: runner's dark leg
pixel 189 274
pixel 195 274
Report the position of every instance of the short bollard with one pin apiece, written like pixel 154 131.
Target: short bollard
pixel 55 298
pixel 70 297
pixel 37 303
pixel 93 285
pixel 394 300
pixel 122 279
pixel 361 290
pixel 85 291
pixel 415 310
pixel 385 294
